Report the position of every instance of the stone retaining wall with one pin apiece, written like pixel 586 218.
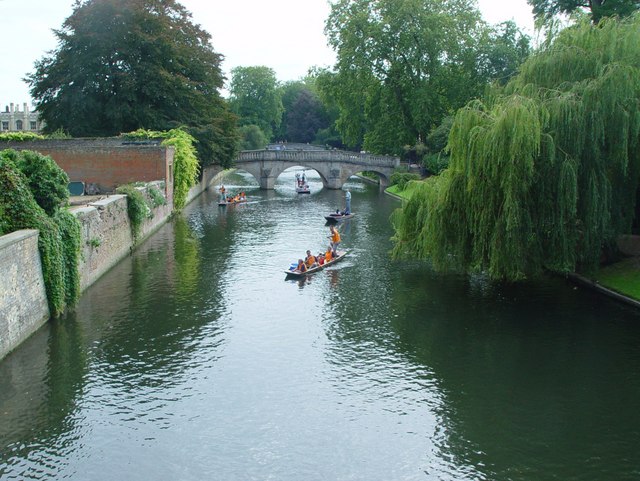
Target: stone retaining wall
pixel 23 300
pixel 106 240
pixel 107 236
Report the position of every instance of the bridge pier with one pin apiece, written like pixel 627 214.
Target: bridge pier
pixel 267 180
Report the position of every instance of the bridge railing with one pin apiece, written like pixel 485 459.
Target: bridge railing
pixel 310 156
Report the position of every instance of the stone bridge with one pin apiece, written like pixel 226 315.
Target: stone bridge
pixel 334 166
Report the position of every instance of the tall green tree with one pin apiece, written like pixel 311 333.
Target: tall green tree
pixel 304 113
pixel 122 65
pixel 543 173
pixel 402 66
pixel 255 98
pixel 545 10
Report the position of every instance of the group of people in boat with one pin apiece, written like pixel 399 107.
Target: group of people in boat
pixel 236 198
pixel 231 199
pixel 311 261
pixel 301 180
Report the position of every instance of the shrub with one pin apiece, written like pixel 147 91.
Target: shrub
pixel 19 136
pixel 402 178
pixel 436 163
pixel 47 181
pixel 157 199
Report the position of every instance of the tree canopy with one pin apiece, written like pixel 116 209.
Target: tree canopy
pixel 122 65
pixel 404 65
pixel 544 172
pixel 545 10
pixel 255 98
pixel 304 113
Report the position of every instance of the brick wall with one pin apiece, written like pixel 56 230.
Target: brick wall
pixel 23 300
pixel 104 164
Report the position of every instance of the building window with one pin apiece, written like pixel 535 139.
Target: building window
pixel 18 124
pixel 5 125
pixel 34 125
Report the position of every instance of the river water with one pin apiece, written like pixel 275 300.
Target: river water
pixel 195 359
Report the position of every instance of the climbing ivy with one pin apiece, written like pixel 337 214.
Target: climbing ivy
pixel 70 234
pixel 185 161
pixel 137 208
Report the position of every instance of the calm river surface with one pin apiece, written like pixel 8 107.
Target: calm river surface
pixel 194 359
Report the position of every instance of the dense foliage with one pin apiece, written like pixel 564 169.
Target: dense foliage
pixel 304 112
pixel 401 179
pixel 59 239
pixel 185 162
pixel 545 10
pixel 404 65
pixel 47 181
pixel 122 65
pixel 253 138
pixel 138 209
pixel 543 173
pixel 19 136
pixel 255 98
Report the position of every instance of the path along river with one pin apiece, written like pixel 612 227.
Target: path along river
pixel 194 359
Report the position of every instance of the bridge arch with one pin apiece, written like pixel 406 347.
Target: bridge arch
pixel 334 167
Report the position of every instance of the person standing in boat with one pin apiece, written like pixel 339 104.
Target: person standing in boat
pixel 347 198
pixel 335 239
pixel 223 191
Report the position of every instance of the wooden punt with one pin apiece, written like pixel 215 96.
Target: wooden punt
pixel 338 258
pixel 333 217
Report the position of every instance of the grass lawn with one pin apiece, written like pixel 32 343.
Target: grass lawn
pixel 623 277
pixel 405 194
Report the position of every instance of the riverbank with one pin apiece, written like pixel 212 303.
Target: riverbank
pixel 620 280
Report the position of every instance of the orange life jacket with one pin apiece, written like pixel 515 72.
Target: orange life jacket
pixel 310 260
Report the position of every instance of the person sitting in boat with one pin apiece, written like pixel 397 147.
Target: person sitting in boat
pixel 320 258
pixel 328 255
pixel 335 239
pixel 310 260
pixel 301 266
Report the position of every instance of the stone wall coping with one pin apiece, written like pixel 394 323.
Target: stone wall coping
pixel 106 201
pixel 17 236
pixel 85 209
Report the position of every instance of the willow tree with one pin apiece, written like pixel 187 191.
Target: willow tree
pixel 544 172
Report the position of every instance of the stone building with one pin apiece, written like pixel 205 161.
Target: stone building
pixel 12 119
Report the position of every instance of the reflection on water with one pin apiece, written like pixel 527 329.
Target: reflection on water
pixel 196 358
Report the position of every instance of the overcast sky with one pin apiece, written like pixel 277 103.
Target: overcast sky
pixel 286 35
